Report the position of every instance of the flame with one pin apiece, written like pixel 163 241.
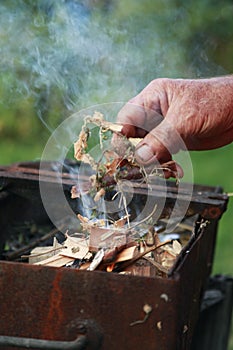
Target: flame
pixel 110 267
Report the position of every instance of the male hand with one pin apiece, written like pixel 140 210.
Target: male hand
pixel 174 114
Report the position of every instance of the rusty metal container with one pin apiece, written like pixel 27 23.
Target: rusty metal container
pixel 62 308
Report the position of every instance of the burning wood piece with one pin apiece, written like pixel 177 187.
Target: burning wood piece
pixel 100 236
pixel 164 257
pixel 120 258
pixel 97 260
pixel 170 253
pixel 76 248
pixel 116 162
pixel 62 254
pixel 103 237
pixel 159 267
pixel 120 253
pixel 141 268
pixel 140 255
pixel 114 239
pixel 127 254
pixel 55 261
pixel 112 246
pixel 42 253
pixel 121 222
pixel 153 261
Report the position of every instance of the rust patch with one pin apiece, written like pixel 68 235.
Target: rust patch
pixel 55 311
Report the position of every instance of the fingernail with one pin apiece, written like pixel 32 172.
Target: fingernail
pixel 144 153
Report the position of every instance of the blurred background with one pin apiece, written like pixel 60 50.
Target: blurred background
pixel 59 57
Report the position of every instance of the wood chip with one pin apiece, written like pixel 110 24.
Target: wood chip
pixel 126 254
pixel 106 237
pixel 55 261
pixel 76 248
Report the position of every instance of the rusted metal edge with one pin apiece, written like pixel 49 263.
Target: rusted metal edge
pixel 206 201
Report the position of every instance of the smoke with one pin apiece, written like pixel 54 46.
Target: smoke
pixel 57 52
pixel 66 55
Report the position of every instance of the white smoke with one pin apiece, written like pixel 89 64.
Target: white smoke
pixel 71 55
pixel 66 55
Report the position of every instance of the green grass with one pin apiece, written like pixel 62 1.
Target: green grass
pixel 215 168
pixel 11 151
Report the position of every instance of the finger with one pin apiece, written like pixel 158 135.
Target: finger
pixel 150 151
pixel 132 117
pixel 159 144
pixel 137 120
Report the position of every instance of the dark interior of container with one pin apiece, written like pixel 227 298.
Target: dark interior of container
pixel 24 220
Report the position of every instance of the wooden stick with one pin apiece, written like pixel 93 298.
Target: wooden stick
pixel 156 264
pixel 16 254
pixel 140 255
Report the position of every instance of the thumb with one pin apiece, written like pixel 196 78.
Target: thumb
pixel 159 144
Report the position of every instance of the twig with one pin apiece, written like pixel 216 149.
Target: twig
pixel 140 255
pixel 156 264
pixel 43 253
pixel 16 254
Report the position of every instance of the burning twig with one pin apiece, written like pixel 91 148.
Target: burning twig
pixel 140 255
pixel 117 163
pixel 97 260
pixel 156 264
pixel 107 244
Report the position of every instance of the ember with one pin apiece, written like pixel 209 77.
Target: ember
pixel 117 256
